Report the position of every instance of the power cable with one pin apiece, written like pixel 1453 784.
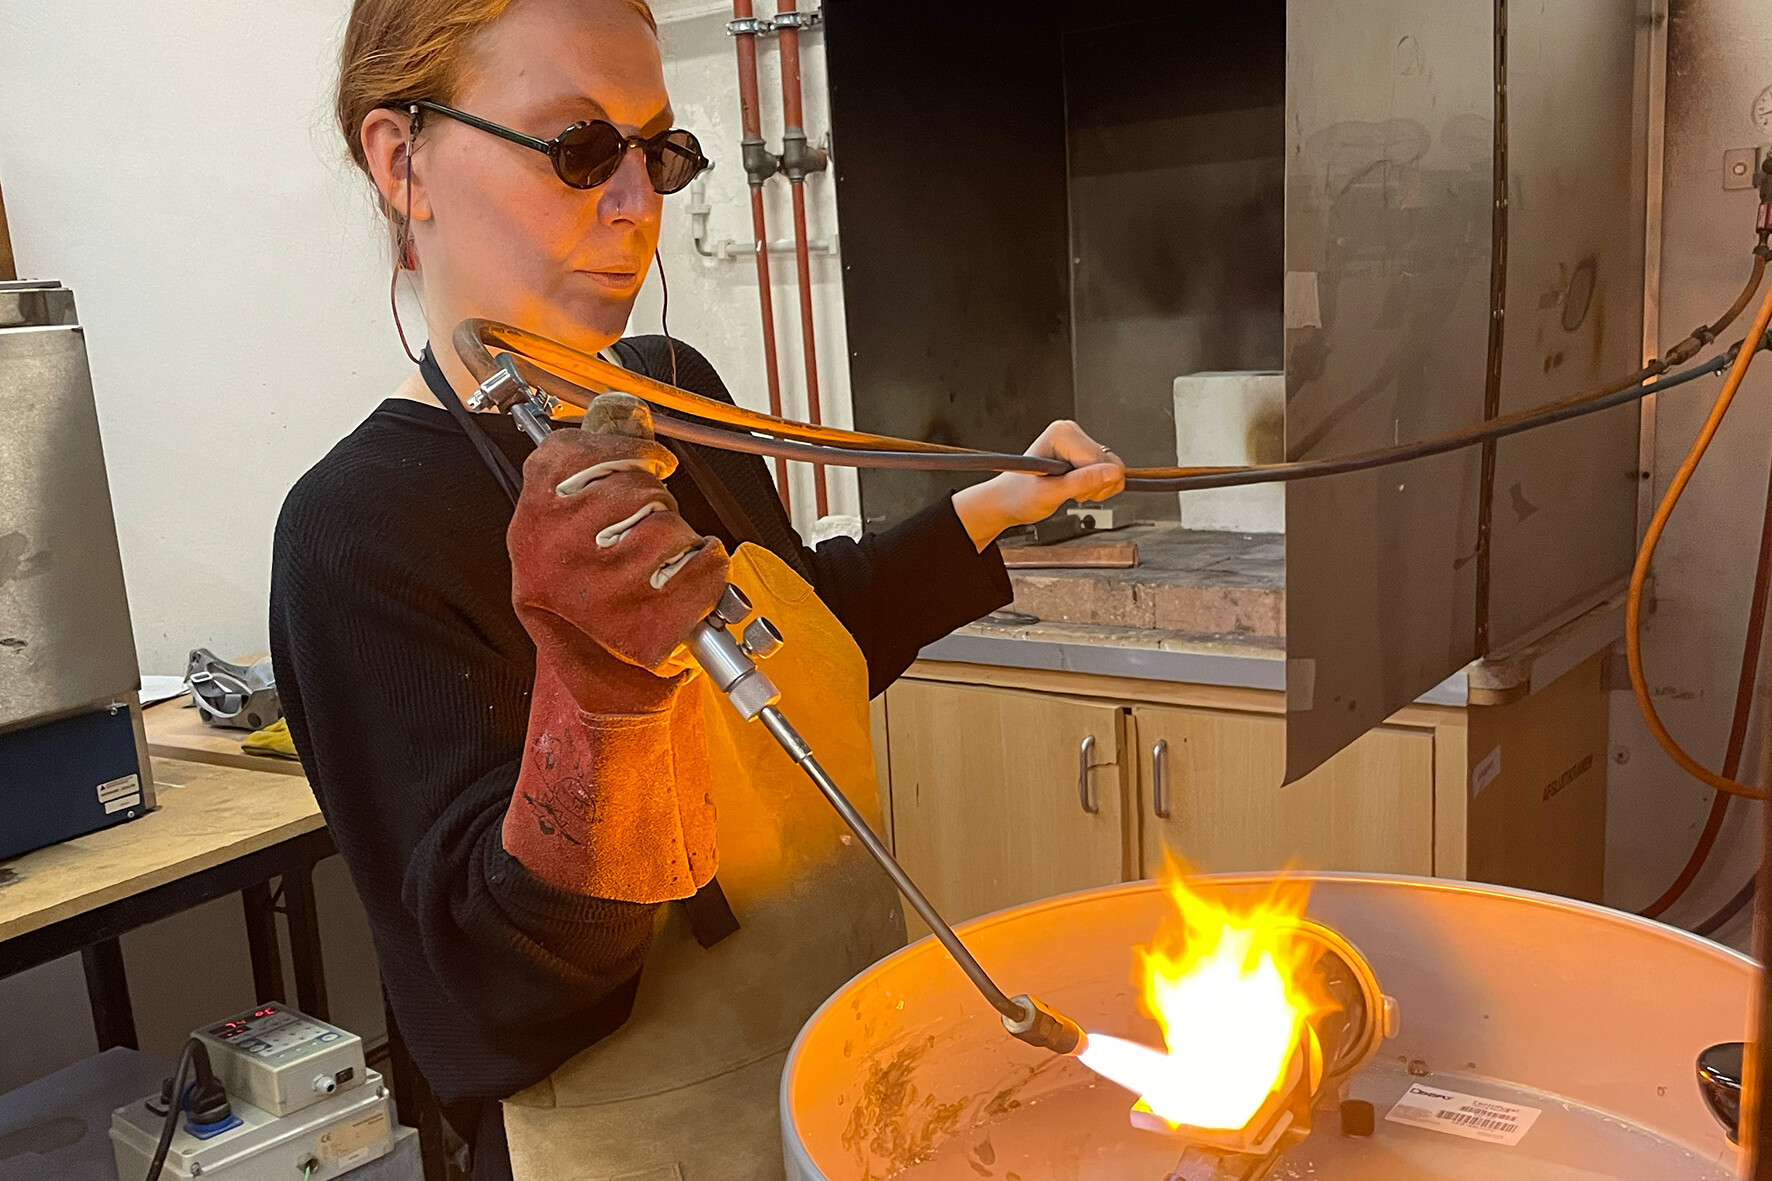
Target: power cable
pixel 1729 909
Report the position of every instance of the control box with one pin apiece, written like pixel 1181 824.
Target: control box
pixel 319 1142
pixel 280 1060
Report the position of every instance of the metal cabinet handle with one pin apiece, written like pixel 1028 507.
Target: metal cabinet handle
pixel 1084 795
pixel 1159 779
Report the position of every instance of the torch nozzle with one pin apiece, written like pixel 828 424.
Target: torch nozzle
pixel 1045 1027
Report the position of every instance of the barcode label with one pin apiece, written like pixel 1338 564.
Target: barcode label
pixel 1459 1114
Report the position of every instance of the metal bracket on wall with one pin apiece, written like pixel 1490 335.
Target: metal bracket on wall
pixel 763 26
pixel 728 248
pixel 1741 167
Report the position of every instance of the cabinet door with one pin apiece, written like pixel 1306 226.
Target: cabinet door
pixel 987 807
pixel 1369 808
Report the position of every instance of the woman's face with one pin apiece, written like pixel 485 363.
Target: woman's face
pixel 499 234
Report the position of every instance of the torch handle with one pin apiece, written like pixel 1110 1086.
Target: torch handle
pixel 777 724
pixel 728 664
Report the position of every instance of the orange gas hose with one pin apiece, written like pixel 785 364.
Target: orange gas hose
pixel 1633 616
pixel 1744 702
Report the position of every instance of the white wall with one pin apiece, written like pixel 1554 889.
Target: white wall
pixel 714 302
pixel 231 275
pixel 175 164
pixel 1720 58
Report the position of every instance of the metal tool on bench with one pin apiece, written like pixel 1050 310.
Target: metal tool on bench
pixel 234 696
pixel 730 662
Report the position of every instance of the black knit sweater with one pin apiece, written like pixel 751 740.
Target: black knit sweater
pixel 406 678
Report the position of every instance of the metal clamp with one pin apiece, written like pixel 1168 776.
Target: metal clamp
pixel 1085 796
pixel 726 249
pixel 763 26
pixel 1159 782
pixel 486 396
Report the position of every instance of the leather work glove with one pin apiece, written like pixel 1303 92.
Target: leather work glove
pixel 612 797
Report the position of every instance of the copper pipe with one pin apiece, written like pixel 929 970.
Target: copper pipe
pixel 475 338
pixel 793 119
pixel 802 262
pixel 751 122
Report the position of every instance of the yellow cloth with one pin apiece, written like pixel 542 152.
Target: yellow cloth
pixel 273 740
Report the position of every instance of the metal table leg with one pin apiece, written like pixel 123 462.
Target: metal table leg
pixel 262 944
pixel 304 942
pixel 107 989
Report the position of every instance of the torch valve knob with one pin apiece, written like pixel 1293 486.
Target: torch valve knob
pixel 761 639
pixel 733 606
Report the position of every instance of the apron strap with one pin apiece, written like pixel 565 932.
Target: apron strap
pixel 710 915
pixel 725 505
pixel 508 475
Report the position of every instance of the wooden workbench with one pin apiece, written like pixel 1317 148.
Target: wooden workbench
pixel 226 822
pixel 176 732
pixel 208 815
pixel 225 814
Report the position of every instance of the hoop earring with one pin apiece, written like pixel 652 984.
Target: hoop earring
pixel 404 257
pixel 394 304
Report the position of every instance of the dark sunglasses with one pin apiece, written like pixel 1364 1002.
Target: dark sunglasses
pixel 588 153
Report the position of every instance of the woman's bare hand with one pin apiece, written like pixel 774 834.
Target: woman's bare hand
pixel 1021 498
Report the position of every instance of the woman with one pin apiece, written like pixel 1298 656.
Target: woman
pixel 406 672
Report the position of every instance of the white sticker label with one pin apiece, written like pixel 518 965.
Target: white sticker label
pixel 1485 772
pixel 133 801
pixel 353 1140
pixel 1299 304
pixel 116 788
pixel 1470 1116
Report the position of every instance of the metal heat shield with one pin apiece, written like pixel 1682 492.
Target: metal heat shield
pixel 65 635
pixel 1564 498
pixel 1397 577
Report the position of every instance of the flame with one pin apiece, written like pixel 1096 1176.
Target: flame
pixel 1228 982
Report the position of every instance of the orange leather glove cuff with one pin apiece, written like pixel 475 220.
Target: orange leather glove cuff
pixel 612 797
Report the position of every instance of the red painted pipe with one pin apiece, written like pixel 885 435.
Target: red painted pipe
pixel 794 120
pixel 751 121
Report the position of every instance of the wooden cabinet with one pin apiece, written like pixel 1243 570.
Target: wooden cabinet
pixel 1001 796
pixel 1209 789
pixel 985 783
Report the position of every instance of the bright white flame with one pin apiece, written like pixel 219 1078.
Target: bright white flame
pixel 1225 985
